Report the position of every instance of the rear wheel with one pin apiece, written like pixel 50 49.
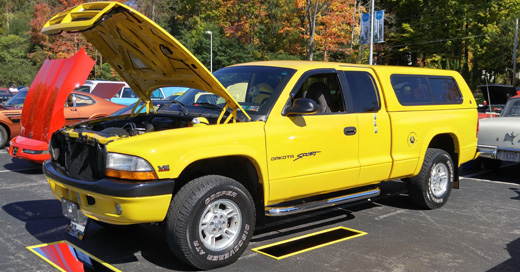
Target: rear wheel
pixel 210 222
pixel 432 187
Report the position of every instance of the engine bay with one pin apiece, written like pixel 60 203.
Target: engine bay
pixel 143 123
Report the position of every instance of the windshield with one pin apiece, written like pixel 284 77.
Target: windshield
pixel 255 88
pixel 512 108
pixel 17 100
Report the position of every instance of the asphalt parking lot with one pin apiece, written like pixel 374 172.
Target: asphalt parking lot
pixel 478 230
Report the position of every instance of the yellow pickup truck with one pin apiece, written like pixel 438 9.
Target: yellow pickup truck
pixel 281 137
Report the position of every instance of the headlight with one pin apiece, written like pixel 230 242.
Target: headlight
pixel 129 167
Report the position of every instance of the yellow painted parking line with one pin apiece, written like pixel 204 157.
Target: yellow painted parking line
pixel 308 242
pixel 66 257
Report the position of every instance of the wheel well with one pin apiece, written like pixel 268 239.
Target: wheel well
pixel 238 168
pixel 6 127
pixel 447 142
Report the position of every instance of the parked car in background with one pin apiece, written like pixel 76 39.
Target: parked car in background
pixel 90 85
pixel 16 100
pixel 10 113
pixel 495 98
pixel 79 107
pixel 498 137
pixel 51 103
pixel 127 96
pixel 195 96
pixel 157 105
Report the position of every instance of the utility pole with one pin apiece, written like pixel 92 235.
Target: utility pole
pixel 352 36
pixel 514 52
pixel 371 56
pixel 210 50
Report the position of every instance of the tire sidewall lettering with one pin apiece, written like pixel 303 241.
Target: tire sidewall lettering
pixel 218 195
pixel 234 249
pixel 228 252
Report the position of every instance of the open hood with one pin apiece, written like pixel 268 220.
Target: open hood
pixel 42 113
pixel 145 55
pixel 106 90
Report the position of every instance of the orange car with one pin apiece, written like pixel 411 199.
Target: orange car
pixel 10 115
pixel 80 106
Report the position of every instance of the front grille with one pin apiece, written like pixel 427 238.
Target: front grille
pixel 78 158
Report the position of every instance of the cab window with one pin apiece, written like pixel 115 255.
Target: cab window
pixel 325 90
pixel 363 89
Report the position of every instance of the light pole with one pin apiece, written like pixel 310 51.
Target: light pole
pixel 210 50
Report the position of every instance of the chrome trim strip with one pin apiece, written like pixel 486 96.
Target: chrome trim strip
pixel 282 211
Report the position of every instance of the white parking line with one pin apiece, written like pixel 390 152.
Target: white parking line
pixel 492 181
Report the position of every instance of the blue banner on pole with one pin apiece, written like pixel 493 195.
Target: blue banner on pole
pixel 379 27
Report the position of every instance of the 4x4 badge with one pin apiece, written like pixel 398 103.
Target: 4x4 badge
pixel 164 168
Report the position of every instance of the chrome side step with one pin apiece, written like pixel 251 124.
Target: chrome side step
pixel 304 207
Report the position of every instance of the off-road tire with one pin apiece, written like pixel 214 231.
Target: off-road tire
pixel 491 164
pixel 4 136
pixel 206 207
pixel 432 187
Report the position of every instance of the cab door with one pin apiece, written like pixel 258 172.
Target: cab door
pixel 364 100
pixel 315 153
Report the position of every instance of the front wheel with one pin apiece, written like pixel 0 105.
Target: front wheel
pixel 210 222
pixel 432 187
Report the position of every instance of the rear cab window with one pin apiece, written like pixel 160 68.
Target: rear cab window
pixel 426 90
pixel 363 90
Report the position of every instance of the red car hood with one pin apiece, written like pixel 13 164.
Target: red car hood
pixel 42 113
pixel 107 90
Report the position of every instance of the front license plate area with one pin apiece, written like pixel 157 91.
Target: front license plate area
pixel 78 220
pixel 509 156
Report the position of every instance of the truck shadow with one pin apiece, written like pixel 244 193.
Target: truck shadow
pixel 119 245
pixel 514 262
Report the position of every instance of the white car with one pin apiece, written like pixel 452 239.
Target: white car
pixel 498 137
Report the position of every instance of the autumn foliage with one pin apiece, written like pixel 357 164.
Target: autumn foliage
pixel 468 36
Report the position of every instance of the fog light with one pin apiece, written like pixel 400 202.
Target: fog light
pixel 119 211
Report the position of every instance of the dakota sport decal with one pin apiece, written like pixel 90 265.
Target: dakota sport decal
pixel 295 157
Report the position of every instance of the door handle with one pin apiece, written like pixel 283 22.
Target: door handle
pixel 73 109
pixel 350 131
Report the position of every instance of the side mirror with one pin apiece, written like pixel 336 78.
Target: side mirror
pixel 301 106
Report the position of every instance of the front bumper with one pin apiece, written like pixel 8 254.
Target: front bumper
pixel 29 149
pixel 113 201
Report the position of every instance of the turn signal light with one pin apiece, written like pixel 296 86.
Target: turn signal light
pixel 131 175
